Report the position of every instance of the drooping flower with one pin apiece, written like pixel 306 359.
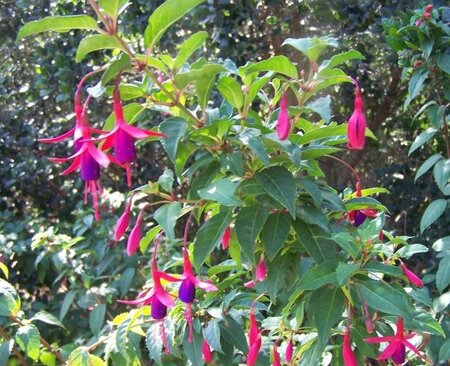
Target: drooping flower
pixel 275 355
pixel 86 157
pixel 260 273
pixel 397 345
pixel 289 350
pixel 226 238
pixel 122 137
pixel 254 339
pixel 135 235
pixel 357 217
pixel 356 126
pixel 206 352
pixel 283 121
pixel 347 352
pixel 123 222
pixel 411 276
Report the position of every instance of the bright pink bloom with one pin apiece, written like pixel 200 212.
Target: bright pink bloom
pixel 283 122
pixel 123 222
pixel 135 235
pixel 347 352
pixel 254 340
pixel 357 217
pixel 206 352
pixel 189 282
pixel 427 15
pixel 397 345
pixel 226 238
pixel 289 350
pixel 356 127
pixel 261 270
pixel 412 277
pixel 123 136
pixel 418 22
pixel 429 7
pixel 276 356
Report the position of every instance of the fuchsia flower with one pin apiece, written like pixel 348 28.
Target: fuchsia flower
pixel 123 222
pixel 397 345
pixel 226 238
pixel 283 122
pixel 135 235
pixel 289 350
pixel 206 352
pixel 276 356
pixel 123 136
pixel 411 276
pixel 86 157
pixel 357 217
pixel 189 282
pixel 347 352
pixel 254 339
pixel 260 275
pixel 356 127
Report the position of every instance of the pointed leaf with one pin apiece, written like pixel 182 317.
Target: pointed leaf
pixel 275 233
pixel 422 138
pixel 280 64
pixel 167 217
pixel 97 318
pixel 9 299
pixel 221 191
pixel 427 165
pixel 443 274
pixel 48 318
pixel 174 129
pixel 164 16
pixel 188 48
pixel 315 242
pixel 311 47
pixel 279 183
pixel 318 276
pixel 434 210
pixel 29 340
pixel 233 333
pixel 57 24
pixel 94 43
pixel 113 7
pixel 231 91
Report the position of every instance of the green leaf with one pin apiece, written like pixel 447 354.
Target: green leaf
pixel 221 191
pixel 233 333
pixel 279 183
pixel 193 350
pixel 188 48
pixel 424 322
pixel 67 303
pixel 434 210
pixel 94 43
pixel 409 250
pixel 415 86
pixel 279 275
pixel 80 357
pixel 314 216
pixel 97 318
pixel 130 112
pixel 147 239
pixel 323 132
pixel 231 91
pixel 443 274
pixel 311 47
pixel 9 299
pixel 443 61
pixel 234 163
pixel 154 342
pixel 340 58
pixel 441 172
pixel 255 144
pixel 123 62
pixel 344 272
pixel 427 165
pixel 164 16
pixel 279 64
pixel 442 244
pixel 174 129
pixel 48 318
pixel 327 306
pixel 203 80
pixel 383 297
pixel 322 106
pixel 318 276
pixel 315 242
pixel 422 139
pixel 5 351
pixel 167 217
pixel 210 235
pixel 249 223
pixel 275 232
pixel 4 269
pixel 166 180
pixel 444 352
pixel 212 334
pixel 29 340
pixel 126 280
pixel 57 24
pixel 112 7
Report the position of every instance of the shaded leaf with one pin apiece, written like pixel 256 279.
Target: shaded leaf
pixel 94 43
pixel 275 232
pixel 167 217
pixel 434 210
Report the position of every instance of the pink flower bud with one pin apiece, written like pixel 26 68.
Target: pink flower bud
pixel 412 277
pixel 347 352
pixel 356 126
pixel 206 352
pixel 123 222
pixel 276 356
pixel 429 8
pixel 289 351
pixel 226 238
pixel 419 22
pixel 427 15
pixel 261 270
pixel 283 122
pixel 135 236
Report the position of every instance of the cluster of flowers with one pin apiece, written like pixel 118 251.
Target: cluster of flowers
pixel 425 16
pixel 87 156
